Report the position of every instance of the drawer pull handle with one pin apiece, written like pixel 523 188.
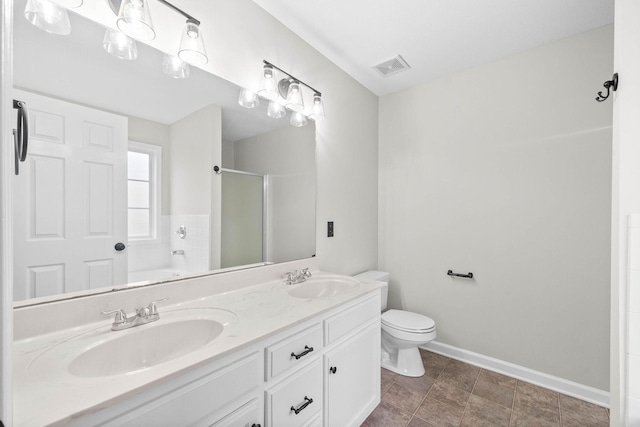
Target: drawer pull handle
pixel 333 369
pixel 304 405
pixel 255 425
pixel 306 351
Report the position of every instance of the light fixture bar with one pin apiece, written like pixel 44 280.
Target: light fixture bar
pixel 180 11
pixel 283 71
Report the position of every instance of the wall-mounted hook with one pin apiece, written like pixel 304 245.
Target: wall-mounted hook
pixel 613 83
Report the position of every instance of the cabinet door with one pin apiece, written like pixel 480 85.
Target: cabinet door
pixel 352 378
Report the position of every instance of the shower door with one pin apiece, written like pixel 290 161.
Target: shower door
pixel 243 209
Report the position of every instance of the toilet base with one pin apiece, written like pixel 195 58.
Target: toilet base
pixel 409 363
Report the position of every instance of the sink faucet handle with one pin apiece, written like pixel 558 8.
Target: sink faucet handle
pixel 290 277
pixel 121 316
pixel 306 273
pixel 152 306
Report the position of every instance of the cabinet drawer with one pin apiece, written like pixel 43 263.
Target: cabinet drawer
pixel 344 322
pixel 192 404
pixel 246 416
pixel 293 351
pixel 301 392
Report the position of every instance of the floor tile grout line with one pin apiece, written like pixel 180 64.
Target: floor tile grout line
pixel 513 404
pixel 560 411
pixel 470 394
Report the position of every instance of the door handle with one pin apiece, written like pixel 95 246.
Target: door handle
pixel 120 246
pixel 21 134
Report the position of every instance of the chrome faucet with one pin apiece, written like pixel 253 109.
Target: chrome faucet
pixel 143 316
pixel 296 276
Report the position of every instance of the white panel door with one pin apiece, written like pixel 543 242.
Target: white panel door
pixel 70 200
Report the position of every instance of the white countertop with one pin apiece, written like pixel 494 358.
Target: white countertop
pixel 45 393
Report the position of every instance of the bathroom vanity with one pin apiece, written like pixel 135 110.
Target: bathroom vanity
pixel 235 349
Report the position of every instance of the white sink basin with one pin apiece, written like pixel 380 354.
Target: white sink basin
pixel 145 346
pixel 101 352
pixel 323 287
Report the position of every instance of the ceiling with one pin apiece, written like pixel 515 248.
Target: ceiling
pixel 435 37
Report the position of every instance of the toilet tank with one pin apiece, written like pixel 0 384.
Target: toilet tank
pixel 380 276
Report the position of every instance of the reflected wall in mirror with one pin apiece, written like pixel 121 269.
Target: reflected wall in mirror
pixel 121 153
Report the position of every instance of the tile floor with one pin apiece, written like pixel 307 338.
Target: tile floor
pixel 453 393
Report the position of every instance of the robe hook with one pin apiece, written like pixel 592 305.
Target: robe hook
pixel 613 83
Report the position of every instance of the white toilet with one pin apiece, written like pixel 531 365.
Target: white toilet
pixel 402 333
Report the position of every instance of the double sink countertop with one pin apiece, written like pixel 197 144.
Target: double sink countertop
pixel 52 386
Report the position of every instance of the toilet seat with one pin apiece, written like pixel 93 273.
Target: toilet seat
pixel 406 321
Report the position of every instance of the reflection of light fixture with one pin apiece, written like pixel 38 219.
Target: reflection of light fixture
pixel 48 16
pixel 276 110
pixel 175 67
pixel 268 85
pixel 317 111
pixel 119 45
pixel 248 98
pixel 298 119
pixel 134 20
pixel 287 92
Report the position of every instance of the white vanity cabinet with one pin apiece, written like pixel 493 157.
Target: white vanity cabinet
pixel 352 363
pixel 324 371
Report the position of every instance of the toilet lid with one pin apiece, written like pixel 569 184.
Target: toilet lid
pixel 407 321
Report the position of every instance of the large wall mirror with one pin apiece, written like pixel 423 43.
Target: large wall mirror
pixel 119 188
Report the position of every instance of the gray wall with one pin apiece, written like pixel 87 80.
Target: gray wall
pixel 504 170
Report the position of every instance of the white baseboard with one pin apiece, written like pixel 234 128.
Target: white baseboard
pixel 570 388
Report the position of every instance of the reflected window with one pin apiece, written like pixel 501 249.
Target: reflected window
pixel 144 165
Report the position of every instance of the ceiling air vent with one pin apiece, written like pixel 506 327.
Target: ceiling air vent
pixel 392 66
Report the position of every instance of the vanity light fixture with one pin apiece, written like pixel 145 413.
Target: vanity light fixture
pixel 134 19
pixel 317 112
pixel 294 97
pixel 119 45
pixel 284 95
pixel 191 45
pixel 268 85
pixel 48 16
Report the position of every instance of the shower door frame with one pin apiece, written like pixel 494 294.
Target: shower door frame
pixel 265 207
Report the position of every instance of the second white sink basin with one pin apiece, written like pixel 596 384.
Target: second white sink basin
pixel 145 346
pixel 323 287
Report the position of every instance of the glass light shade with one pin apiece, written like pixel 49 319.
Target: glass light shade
pixel 191 45
pixel 298 119
pixel 48 16
pixel 68 3
pixel 294 98
pixel 268 84
pixel 317 111
pixel 119 45
pixel 134 20
pixel 276 110
pixel 248 98
pixel 174 67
